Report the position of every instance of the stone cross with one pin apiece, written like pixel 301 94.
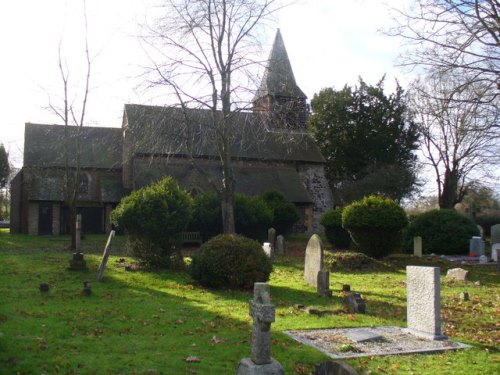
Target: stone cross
pixel 417 246
pixel 78 234
pixel 423 302
pixel 105 256
pixel 262 312
pixel 313 262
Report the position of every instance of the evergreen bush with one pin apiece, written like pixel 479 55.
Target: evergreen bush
pixel 207 215
pixel 231 261
pixel 336 235
pixel 285 214
pixel 442 232
pixel 252 216
pixel 375 224
pixel 152 218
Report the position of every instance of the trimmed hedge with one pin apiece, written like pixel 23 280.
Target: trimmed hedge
pixel 375 224
pixel 336 235
pixel 231 261
pixel 442 232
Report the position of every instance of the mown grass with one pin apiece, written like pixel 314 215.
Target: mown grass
pixel 150 322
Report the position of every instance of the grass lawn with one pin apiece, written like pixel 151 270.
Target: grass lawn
pixel 150 322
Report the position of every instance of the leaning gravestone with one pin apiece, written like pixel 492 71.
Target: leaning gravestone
pixel 105 256
pixel 424 302
pixel 314 260
pixel 271 237
pixel 280 245
pixel 263 314
pixel 495 234
pixel 417 246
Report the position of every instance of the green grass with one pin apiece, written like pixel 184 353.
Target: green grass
pixel 150 322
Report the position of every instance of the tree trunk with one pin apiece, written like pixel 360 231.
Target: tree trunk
pixel 448 197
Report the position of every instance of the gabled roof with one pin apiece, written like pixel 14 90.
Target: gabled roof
pixel 278 79
pixel 168 130
pixel 44 146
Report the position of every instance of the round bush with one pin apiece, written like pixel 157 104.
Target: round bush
pixel 336 235
pixel 252 216
pixel 231 261
pixel 152 218
pixel 442 232
pixel 207 215
pixel 375 224
pixel 284 212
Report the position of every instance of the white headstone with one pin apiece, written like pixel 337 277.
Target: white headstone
pixel 495 234
pixel 495 249
pixel 424 302
pixel 314 260
pixel 268 249
pixel 417 246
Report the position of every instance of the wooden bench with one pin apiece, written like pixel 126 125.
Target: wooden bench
pixel 191 237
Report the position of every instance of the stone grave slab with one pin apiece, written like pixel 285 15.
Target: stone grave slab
pixel 362 335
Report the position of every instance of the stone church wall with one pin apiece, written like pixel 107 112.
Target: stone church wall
pixel 314 180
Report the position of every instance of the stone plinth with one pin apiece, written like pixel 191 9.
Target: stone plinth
pixel 248 367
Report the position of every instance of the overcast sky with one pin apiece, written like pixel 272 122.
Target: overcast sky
pixel 329 42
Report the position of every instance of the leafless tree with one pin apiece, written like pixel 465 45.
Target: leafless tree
pixel 72 114
pixel 459 38
pixel 460 135
pixel 203 51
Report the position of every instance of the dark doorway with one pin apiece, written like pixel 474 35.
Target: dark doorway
pixel 91 219
pixel 45 218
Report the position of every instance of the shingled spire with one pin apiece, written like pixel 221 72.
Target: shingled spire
pixel 278 94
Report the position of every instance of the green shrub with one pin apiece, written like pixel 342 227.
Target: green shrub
pixel 375 224
pixel 442 232
pixel 152 218
pixel 336 235
pixel 207 215
pixel 252 216
pixel 284 212
pixel 231 261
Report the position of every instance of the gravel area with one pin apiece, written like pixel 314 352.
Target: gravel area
pixel 395 340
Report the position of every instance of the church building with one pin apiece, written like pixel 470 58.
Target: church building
pixel 272 150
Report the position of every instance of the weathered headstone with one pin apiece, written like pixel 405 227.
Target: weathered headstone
pixel 424 302
pixel 476 246
pixel 334 368
pixel 280 245
pixel 355 303
pixel 78 235
pixel 323 287
pixel 271 237
pixel 314 260
pixel 464 296
pixel 457 274
pixel 495 234
pixel 86 289
pixel 77 262
pixel 263 314
pixel 268 249
pixel 495 249
pixel 417 246
pixel 105 256
pixel 480 230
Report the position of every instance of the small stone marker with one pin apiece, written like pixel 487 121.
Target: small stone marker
pixel 346 288
pixel 280 245
pixel 105 256
pixel 86 289
pixel 323 288
pixel 417 246
pixel 355 303
pixel 424 302
pixel 268 249
pixel 457 274
pixel 483 259
pixel 334 368
pixel 44 287
pixel 271 237
pixel 495 234
pixel 263 314
pixel 464 296
pixel 314 260
pixel 476 246
pixel 362 335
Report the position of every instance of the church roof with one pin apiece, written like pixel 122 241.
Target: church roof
pixel 278 79
pixel 154 130
pixel 44 146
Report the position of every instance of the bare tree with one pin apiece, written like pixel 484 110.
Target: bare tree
pixel 205 48
pixel 459 38
pixel 72 115
pixel 460 135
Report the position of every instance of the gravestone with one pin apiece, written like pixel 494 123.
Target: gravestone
pixel 495 249
pixel 323 288
pixel 417 246
pixel 86 289
pixel 483 259
pixel 263 314
pixel 476 246
pixel 105 256
pixel 334 368
pixel 268 249
pixel 355 303
pixel 480 230
pixel 78 228
pixel 424 302
pixel 314 260
pixel 271 237
pixel 457 274
pixel 280 245
pixel 77 262
pixel 495 234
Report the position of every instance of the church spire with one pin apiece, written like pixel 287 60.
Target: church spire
pixel 279 96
